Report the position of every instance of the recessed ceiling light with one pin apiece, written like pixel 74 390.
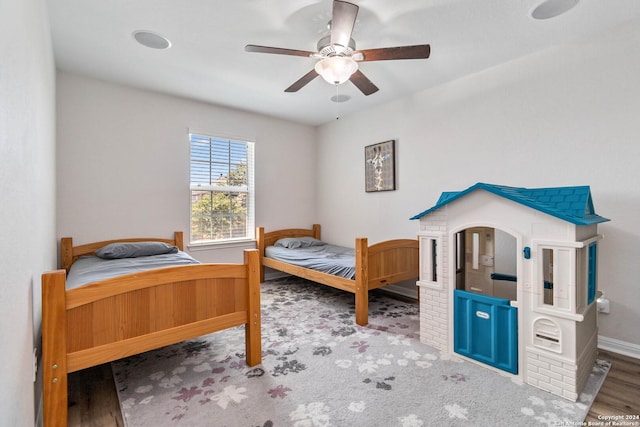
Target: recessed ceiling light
pixel 552 8
pixel 152 40
pixel 340 98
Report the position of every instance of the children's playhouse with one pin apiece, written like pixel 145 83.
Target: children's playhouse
pixel 508 278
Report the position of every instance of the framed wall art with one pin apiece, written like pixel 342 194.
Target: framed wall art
pixel 379 166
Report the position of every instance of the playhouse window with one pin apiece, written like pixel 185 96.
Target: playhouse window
pixel 592 273
pixel 434 260
pixel 459 251
pixel 475 251
pixel 547 276
pixel 429 270
pixel 558 277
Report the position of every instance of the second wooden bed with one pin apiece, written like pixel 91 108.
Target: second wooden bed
pixel 378 265
pixel 114 318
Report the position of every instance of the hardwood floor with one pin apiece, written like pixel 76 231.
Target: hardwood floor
pixel 620 393
pixel 93 401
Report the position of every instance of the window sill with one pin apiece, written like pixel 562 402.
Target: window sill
pixel 430 284
pixel 246 243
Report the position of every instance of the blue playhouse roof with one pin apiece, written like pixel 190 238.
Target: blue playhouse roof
pixel 572 204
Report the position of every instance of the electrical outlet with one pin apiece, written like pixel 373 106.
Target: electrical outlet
pixel 603 305
pixel 35 364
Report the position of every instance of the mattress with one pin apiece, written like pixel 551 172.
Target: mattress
pixel 331 259
pixel 88 269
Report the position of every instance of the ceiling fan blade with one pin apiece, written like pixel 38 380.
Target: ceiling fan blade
pixel 342 22
pixel 363 83
pixel 420 51
pixel 277 50
pixel 302 82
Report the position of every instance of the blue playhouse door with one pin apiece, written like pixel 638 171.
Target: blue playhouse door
pixel 486 329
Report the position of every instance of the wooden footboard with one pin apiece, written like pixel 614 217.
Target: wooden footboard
pixel 378 265
pixel 127 315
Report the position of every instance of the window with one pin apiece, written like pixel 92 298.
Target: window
pixel 592 273
pixel 430 270
pixel 222 191
pixel 558 277
pixel 547 276
pixel 459 251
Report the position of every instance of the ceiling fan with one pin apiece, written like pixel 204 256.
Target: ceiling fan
pixel 337 54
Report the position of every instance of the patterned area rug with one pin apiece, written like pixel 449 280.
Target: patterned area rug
pixel 321 369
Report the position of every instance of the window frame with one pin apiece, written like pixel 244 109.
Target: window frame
pixel 248 188
pixel 592 272
pixel 431 248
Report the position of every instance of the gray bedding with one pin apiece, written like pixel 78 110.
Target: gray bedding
pixel 89 269
pixel 331 259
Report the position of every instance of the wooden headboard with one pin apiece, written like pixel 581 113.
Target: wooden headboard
pixel 69 253
pixel 270 238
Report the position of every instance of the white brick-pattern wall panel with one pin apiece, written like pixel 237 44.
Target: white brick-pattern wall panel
pixel 554 375
pixel 434 315
pixel 434 303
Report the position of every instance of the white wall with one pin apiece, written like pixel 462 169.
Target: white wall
pixel 123 163
pixel 566 116
pixel 27 198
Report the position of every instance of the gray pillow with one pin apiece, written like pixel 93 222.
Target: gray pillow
pixel 299 242
pixel 134 250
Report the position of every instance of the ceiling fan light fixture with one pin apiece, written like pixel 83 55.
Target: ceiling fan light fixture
pixel 336 69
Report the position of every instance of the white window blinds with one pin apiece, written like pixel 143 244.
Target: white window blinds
pixel 222 190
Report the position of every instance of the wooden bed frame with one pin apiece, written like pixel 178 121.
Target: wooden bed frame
pixel 126 315
pixel 378 265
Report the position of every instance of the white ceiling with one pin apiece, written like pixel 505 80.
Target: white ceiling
pixel 207 60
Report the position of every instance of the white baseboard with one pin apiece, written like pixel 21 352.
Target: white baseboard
pixel 271 274
pixel 38 392
pixel 274 274
pixel 401 290
pixel 621 347
pixel 39 420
